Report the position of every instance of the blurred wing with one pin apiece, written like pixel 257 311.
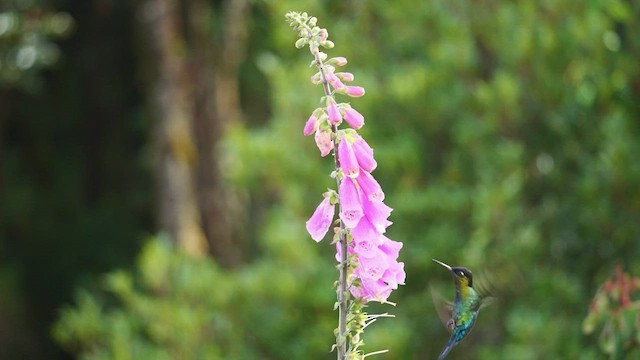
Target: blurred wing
pixel 444 309
pixel 486 290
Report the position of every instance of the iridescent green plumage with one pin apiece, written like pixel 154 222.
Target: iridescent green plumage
pixel 463 312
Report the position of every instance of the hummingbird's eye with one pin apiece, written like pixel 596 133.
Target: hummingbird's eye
pixel 460 273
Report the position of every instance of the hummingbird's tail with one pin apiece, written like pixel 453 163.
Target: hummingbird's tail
pixel 449 347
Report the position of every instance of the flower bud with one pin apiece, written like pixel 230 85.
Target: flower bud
pixel 311 126
pixel 316 78
pixel 354 91
pixel 302 42
pixel 327 44
pixel 345 76
pixel 353 118
pixel 332 110
pixel 337 61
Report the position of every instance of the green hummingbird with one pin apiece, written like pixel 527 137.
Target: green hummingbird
pixel 460 316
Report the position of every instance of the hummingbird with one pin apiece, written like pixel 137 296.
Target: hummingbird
pixel 460 316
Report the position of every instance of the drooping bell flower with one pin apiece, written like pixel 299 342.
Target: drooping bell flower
pixel 377 213
pixel 319 223
pixel 390 247
pixel 347 158
pixel 394 274
pixel 364 154
pixel 372 267
pixel 351 209
pixel 369 186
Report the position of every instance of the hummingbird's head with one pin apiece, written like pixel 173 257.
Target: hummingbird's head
pixel 461 275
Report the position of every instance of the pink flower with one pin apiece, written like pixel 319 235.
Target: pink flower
pixel 372 268
pixel 311 126
pixel 324 142
pixel 365 248
pixel 390 248
pixel 394 275
pixel 332 110
pixel 347 158
pixel 365 231
pixel 351 210
pixel 364 154
pixel 372 290
pixel 319 223
pixel 369 186
pixel 354 91
pixel 377 213
pixel 353 118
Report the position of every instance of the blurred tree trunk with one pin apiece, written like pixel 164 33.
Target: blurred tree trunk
pixel 195 94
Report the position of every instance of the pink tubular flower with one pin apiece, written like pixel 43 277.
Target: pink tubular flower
pixel 311 126
pixel 351 209
pixel 332 110
pixel 347 158
pixel 390 248
pixel 324 142
pixel 319 223
pixel 364 154
pixel 372 268
pixel 354 91
pixel 366 232
pixel 394 275
pixel 369 186
pixel 372 290
pixel 377 213
pixel 353 118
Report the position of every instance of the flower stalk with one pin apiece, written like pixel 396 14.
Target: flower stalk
pixel 367 259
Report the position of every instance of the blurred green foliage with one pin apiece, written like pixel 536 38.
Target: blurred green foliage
pixel 506 134
pixel 175 306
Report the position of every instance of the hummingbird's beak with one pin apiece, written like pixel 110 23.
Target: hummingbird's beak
pixel 443 264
